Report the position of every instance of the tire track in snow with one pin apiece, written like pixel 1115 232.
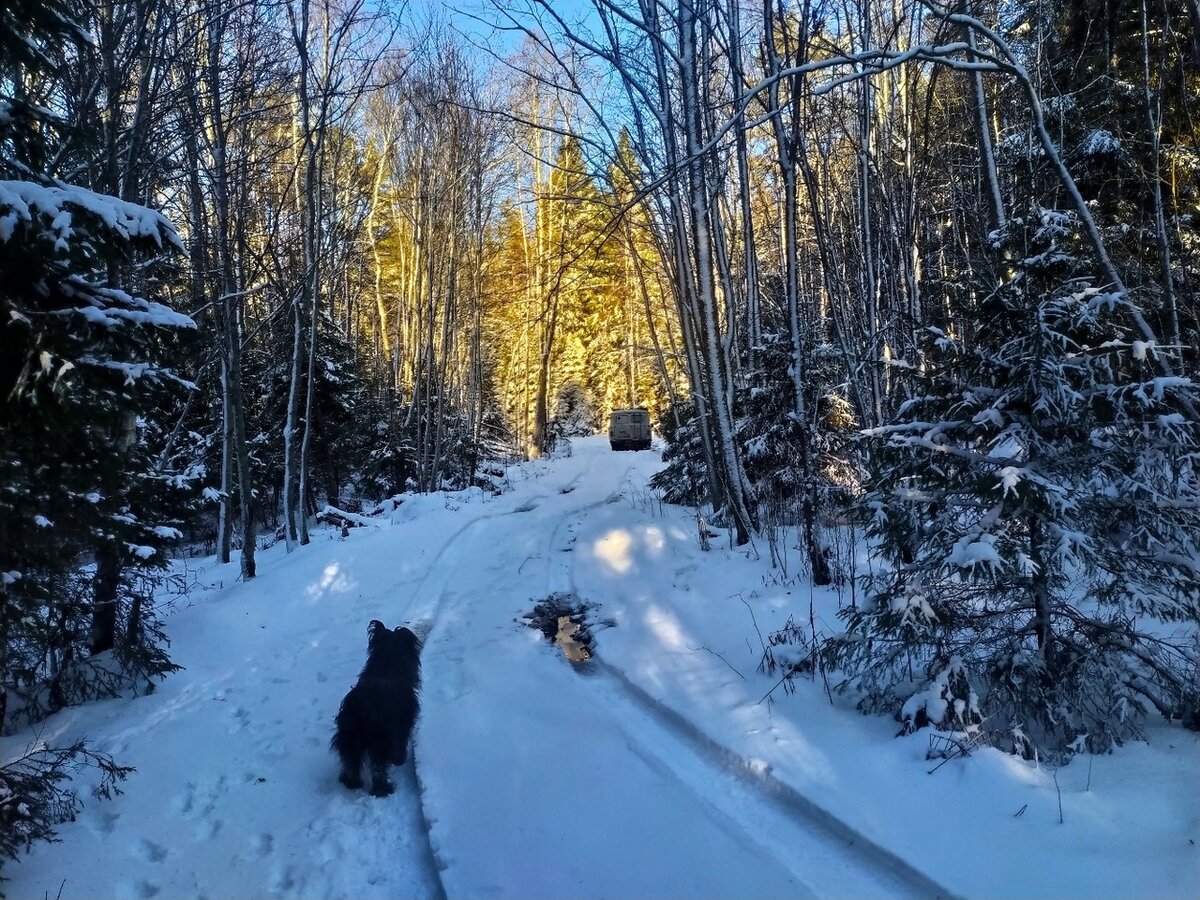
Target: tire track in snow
pixel 431 610
pixel 756 776
pixel 426 617
pixel 412 778
pixel 780 806
pixel 552 548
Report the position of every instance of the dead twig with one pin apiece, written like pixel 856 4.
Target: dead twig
pixel 962 749
pixel 1059 791
pixel 755 621
pixel 721 658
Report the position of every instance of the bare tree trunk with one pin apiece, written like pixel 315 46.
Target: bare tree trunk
pixel 987 153
pixel 224 510
pixel 787 147
pixel 741 152
pixel 303 297
pixel 1154 126
pixel 702 247
pixel 226 295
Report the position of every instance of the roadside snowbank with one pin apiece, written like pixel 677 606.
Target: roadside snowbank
pixel 538 779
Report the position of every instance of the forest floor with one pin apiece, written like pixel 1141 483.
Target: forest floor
pixel 652 769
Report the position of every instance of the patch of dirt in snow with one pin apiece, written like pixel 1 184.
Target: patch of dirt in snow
pixel 566 620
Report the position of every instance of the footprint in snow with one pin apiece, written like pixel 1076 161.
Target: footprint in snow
pixel 136 890
pixel 273 750
pixel 184 802
pixel 199 801
pixel 239 719
pixel 284 882
pixel 103 823
pixel 208 829
pixel 262 844
pixel 150 851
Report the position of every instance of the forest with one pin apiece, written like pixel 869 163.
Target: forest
pixel 927 271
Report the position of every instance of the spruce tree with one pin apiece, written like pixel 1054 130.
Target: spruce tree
pixel 79 366
pixel 1037 505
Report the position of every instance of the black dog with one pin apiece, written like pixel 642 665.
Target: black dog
pixel 376 718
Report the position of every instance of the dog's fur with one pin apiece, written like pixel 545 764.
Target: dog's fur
pixel 376 718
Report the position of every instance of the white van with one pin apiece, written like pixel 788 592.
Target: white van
pixel 629 429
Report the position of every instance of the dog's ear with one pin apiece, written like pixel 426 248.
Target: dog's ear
pixel 374 629
pixel 410 635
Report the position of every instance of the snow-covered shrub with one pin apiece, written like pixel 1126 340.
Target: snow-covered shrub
pixel 1038 505
pixel 49 666
pixel 948 701
pixel 682 479
pixel 788 652
pixel 769 438
pixel 576 413
pixel 34 796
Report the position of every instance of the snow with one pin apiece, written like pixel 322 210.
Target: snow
pixel 24 200
pixel 1099 142
pixel 933 699
pixel 969 552
pixel 349 516
pixel 1010 477
pixel 1168 382
pixel 652 770
pixel 155 314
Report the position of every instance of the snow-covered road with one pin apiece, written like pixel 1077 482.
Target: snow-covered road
pixel 536 780
pixel 541 781
pixel 532 778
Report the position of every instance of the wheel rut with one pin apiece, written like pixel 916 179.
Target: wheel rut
pixel 750 798
pixel 662 766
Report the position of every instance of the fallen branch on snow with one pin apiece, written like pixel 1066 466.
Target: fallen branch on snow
pixel 342 519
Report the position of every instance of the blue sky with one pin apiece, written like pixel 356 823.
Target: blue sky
pixel 471 18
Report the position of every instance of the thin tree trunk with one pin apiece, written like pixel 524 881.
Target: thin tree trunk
pixel 987 153
pixel 1154 126
pixel 702 248
pixel 227 296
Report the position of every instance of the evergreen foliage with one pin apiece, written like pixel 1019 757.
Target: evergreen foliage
pixel 1123 100
pixel 680 480
pixel 769 437
pixel 35 796
pixel 81 362
pixel 1037 506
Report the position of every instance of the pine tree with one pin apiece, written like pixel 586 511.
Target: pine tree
pixel 1038 506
